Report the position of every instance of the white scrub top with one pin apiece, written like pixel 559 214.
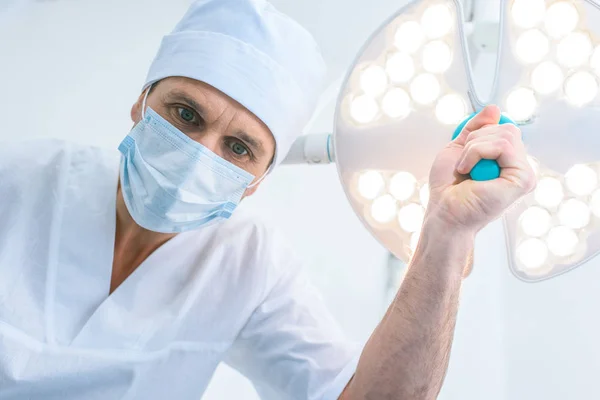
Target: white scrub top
pixel 230 292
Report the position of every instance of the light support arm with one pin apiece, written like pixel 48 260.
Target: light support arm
pixel 311 149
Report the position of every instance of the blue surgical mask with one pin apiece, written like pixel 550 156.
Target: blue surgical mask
pixel 172 183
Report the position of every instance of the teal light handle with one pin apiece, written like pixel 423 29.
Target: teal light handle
pixel 485 170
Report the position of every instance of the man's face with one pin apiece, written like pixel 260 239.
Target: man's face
pixel 213 119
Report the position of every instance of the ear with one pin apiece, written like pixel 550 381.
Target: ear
pixel 136 109
pixel 252 190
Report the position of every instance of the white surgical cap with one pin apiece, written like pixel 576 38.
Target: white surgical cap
pixel 252 53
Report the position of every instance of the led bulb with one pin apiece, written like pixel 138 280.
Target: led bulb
pixel 409 37
pixel 574 214
pixel 424 195
pixel 414 240
pixel 532 46
pixel 581 88
pixel 437 57
pixel 400 67
pixel 547 78
pixel 383 209
pixel 425 89
pixel 528 13
pixel 411 217
pixel 549 192
pixel 574 50
pixel 521 104
pixel 363 109
pixel 595 203
pixel 532 253
pixel 562 241
pixel 595 60
pixel 373 80
pixel 396 103
pixel 535 221
pixel 402 185
pixel 437 21
pixel 561 19
pixel 370 184
pixel 581 180
pixel 451 109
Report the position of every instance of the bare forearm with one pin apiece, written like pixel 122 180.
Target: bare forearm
pixel 407 355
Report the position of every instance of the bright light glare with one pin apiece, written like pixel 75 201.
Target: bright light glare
pixel 574 50
pixel 402 185
pixel 414 240
pixel 574 214
pixel 411 217
pixel 437 21
pixel 532 253
pixel 595 60
pixel 532 46
pixel 396 103
pixel 549 192
pixel 562 241
pixel 363 109
pixel 400 67
pixel 437 57
pixel 409 37
pixel 595 203
pixel 528 13
pixel 425 89
pixel 424 195
pixel 383 209
pixel 535 221
pixel 581 180
pixel 370 184
pixel 547 77
pixel 373 80
pixel 451 109
pixel 561 19
pixel 521 104
pixel 581 88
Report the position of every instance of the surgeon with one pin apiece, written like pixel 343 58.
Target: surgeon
pixel 130 275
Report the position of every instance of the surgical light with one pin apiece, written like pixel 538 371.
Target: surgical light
pixel 364 109
pixel 396 103
pixel 451 109
pixel 595 60
pixel 437 21
pixel 400 67
pixel 403 185
pixel 581 180
pixel 535 221
pixel 561 18
pixel 521 104
pixel 437 56
pixel 562 241
pixel 581 88
pixel 595 203
pixel 424 195
pixel 409 37
pixel 532 46
pixel 574 214
pixel 411 217
pixel 574 49
pixel 383 209
pixel 373 80
pixel 547 77
pixel 532 253
pixel 370 184
pixel 549 192
pixel 425 89
pixel 528 13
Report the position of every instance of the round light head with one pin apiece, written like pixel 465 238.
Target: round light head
pixel 409 37
pixel 402 185
pixel 528 13
pixel 383 209
pixel 562 241
pixel 532 46
pixel 425 89
pixel 547 77
pixel 521 104
pixel 373 80
pixel 549 192
pixel 437 57
pixel 574 49
pixel 410 217
pixel 400 67
pixel 581 88
pixel 535 221
pixel 561 19
pixel 581 180
pixel 532 253
pixel 451 109
pixel 370 184
pixel 363 109
pixel 437 21
pixel 574 214
pixel 396 103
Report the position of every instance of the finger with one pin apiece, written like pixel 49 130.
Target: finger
pixel 500 150
pixel 490 115
pixel 509 132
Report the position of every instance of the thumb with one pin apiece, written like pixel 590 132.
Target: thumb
pixel 490 115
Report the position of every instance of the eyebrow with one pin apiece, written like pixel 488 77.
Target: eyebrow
pixel 178 95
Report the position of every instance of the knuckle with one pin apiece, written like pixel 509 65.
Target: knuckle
pixel 505 145
pixel 513 130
